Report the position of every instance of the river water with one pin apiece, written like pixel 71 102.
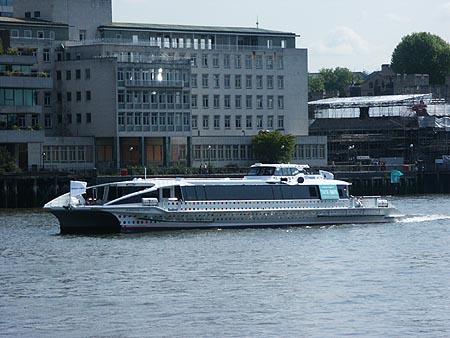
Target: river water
pixel 390 280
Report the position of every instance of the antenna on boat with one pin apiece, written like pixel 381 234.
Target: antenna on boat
pixel 145 172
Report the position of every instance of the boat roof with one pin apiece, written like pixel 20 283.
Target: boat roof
pixel 280 165
pixel 167 182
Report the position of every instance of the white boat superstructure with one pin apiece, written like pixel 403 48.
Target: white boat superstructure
pixel 271 195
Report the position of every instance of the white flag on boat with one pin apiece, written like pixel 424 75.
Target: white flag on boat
pixel 77 188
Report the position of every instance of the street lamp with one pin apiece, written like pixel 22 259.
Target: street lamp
pixel 131 154
pixel 209 157
pixel 44 155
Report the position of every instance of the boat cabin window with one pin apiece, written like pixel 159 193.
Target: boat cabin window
pixel 343 191
pixel 115 192
pixel 261 171
pixel 166 192
pixel 138 198
pixel 249 192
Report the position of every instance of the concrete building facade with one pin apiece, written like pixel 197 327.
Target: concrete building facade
pixel 163 95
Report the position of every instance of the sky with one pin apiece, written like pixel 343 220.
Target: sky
pixel 356 34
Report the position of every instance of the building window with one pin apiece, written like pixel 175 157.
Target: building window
pixel 248 61
pixel 238 101
pixel 259 121
pixel 259 102
pixel 68 75
pixel 205 80
pixel 237 81
pixel 27 34
pixel 216 101
pixel 248 102
pixel 205 101
pixel 194 60
pixel 87 73
pixel 270 122
pixel 52 35
pixel 194 104
pixel 227 102
pixel 27 15
pixel 248 81
pixel 259 61
pixel 88 118
pixel 77 74
pixel 78 96
pixel 78 118
pixel 226 61
pixel 270 102
pixel 204 60
pixel 194 80
pixel 216 79
pixel 227 121
pixel 205 122
pixel 58 75
pixel 215 60
pixel 280 61
pixel 40 34
pixel 14 33
pixel 69 96
pixel 82 34
pixel 237 61
pixel 238 122
pixel 37 14
pixel 227 81
pixel 46 55
pixel 69 118
pixel 269 82
pixel 88 95
pixel 48 121
pixel 280 122
pixel 259 81
pixel 47 99
pixel 194 122
pixel 248 121
pixel 280 82
pixel 216 121
pixel 269 61
pixel 280 102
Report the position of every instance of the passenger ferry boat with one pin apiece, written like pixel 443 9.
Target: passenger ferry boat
pixel 270 195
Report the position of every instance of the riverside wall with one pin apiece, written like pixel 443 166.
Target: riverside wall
pixel 33 191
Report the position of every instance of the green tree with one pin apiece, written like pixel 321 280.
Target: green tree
pixel 315 84
pixel 7 162
pixel 273 147
pixel 333 81
pixel 422 53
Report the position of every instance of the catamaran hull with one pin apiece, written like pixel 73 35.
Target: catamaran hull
pixel 84 221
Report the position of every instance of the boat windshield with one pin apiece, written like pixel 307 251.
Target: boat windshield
pixel 261 171
pixel 272 171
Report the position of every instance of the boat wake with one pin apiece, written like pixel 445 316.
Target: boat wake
pixel 423 218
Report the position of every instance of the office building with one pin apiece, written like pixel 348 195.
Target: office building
pixel 164 95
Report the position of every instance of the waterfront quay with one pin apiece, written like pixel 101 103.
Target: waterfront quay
pixel 33 190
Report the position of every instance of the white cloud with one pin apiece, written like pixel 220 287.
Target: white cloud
pixel 342 41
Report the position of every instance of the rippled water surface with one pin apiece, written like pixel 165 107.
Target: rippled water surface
pixel 390 280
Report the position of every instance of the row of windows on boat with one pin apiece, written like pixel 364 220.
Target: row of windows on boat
pixel 217 193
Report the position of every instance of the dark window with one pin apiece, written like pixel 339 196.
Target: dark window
pixel 166 192
pixel 37 14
